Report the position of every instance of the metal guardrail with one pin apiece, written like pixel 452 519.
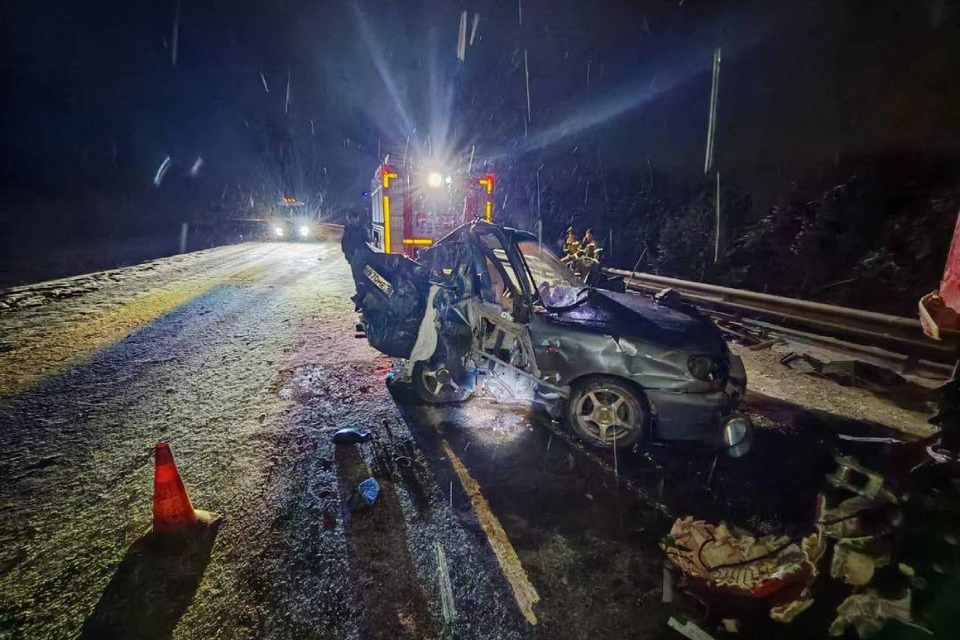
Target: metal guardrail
pixel 856 326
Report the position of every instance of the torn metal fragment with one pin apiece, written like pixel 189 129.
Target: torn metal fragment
pixel 867 613
pixel 689 629
pixel 446 589
pixel 788 611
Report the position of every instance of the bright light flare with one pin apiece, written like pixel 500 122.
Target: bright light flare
pixel 434 180
pixel 490 424
pixel 304 231
pixel 278 231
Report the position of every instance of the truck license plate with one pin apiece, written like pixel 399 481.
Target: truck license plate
pixel 378 280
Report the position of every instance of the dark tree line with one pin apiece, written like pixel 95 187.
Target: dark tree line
pixel 867 232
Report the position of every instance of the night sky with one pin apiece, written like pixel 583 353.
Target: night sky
pixel 93 103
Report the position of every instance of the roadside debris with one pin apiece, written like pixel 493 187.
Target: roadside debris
pixel 854 517
pixel 730 625
pixel 867 613
pixel 851 476
pixel 350 435
pixel 766 344
pixel 716 559
pixel 365 495
pixel 872 378
pixel 857 373
pixel 801 362
pixel 862 525
pixel 667 589
pixel 787 612
pixel 855 562
pixel 446 589
pixel 869 439
pixel 369 489
pixel 858 511
pixel 689 629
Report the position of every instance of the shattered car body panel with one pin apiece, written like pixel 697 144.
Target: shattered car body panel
pixel 513 323
pixel 722 560
pixel 392 291
pixel 650 355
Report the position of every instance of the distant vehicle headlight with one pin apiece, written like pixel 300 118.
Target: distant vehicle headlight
pixel 278 231
pixel 434 180
pixel 304 231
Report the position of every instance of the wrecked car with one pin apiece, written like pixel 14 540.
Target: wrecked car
pixel 488 311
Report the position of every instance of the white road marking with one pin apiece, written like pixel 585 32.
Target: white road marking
pixel 523 590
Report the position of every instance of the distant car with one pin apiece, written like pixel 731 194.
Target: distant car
pixel 292 222
pixel 515 324
pixel 288 229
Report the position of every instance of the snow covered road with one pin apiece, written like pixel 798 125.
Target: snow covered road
pixel 98 369
pixel 244 359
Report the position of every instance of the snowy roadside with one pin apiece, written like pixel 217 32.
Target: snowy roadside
pixel 32 295
pixel 905 410
pixel 244 359
pixel 246 371
pixel 48 327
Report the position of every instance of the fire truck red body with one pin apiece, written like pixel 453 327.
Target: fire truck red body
pixel 413 209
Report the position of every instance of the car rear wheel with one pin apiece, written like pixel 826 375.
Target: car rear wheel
pixel 606 411
pixel 435 384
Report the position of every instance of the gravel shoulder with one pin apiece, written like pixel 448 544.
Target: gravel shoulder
pixel 904 410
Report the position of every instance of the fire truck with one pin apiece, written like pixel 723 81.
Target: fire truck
pixel 412 209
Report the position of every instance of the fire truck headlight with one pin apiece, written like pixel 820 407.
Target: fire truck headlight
pixel 304 231
pixel 278 231
pixel 434 180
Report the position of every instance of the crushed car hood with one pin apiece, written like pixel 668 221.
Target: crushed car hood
pixel 634 315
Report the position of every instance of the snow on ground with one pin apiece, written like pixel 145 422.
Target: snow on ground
pixel 244 359
pixel 905 410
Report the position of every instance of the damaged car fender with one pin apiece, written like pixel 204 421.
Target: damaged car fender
pixel 677 362
pixel 513 323
pixel 391 295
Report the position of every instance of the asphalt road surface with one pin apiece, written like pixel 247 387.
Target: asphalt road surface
pixel 244 359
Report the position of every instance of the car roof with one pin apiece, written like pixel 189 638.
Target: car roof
pixel 482 226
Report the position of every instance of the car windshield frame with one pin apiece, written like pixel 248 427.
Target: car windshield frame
pixel 510 265
pixel 548 261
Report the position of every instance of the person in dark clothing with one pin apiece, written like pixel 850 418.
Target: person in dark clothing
pixel 354 236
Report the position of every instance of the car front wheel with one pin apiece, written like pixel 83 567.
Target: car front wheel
pixel 435 384
pixel 605 412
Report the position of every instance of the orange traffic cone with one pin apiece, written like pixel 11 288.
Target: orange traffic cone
pixel 172 511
